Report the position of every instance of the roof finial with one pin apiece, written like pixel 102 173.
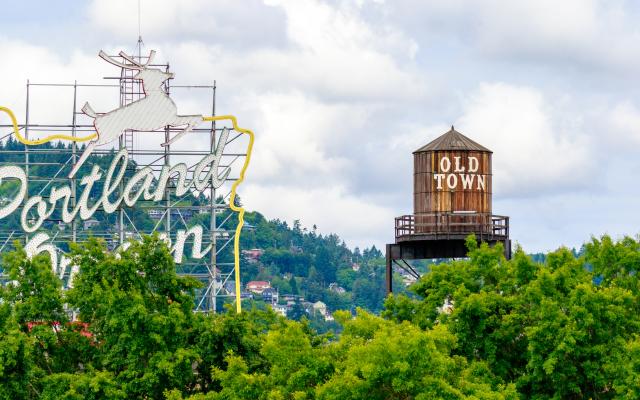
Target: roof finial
pixel 452 128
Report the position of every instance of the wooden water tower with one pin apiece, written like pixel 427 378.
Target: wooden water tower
pixel 452 196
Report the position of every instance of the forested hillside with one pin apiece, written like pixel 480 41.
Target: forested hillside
pixel 318 267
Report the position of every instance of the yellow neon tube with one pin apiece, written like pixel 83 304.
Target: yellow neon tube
pixel 47 139
pixel 232 205
pixel 234 187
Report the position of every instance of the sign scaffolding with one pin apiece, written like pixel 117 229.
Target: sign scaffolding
pixel 138 169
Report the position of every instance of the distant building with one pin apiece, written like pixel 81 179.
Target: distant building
pixel 407 278
pixel 230 286
pixel 447 306
pixel 219 210
pixel 90 223
pixel 355 267
pixel 155 214
pixel 320 308
pixel 248 227
pixel 184 213
pixel 270 295
pixel 252 255
pixel 280 309
pixel 292 297
pixel 258 287
pixel 223 234
pixel 334 287
pixel 178 213
pixel 308 306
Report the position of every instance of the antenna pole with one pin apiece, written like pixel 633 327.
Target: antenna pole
pixel 140 43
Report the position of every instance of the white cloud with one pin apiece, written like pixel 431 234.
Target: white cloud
pixel 591 33
pixel 249 23
pixel 40 65
pixel 534 149
pixel 296 134
pixel 333 209
pixel 625 126
pixel 331 51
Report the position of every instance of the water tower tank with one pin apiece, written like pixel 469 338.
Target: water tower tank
pixel 452 196
pixel 452 174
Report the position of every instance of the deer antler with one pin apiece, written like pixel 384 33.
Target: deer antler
pixel 110 60
pixel 131 60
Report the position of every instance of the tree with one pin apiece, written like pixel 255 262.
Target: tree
pixel 325 266
pixel 382 360
pixel 297 312
pixel 293 284
pixel 140 312
pixel 36 338
pixel 554 330
pixel 345 278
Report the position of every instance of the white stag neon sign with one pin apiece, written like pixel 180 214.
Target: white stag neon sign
pixel 153 111
pixel 156 110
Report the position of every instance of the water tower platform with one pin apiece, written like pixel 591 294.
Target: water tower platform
pixel 442 235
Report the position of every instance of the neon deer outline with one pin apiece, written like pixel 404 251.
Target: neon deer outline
pixel 151 112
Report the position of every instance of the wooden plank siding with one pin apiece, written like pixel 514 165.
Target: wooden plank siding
pixel 428 199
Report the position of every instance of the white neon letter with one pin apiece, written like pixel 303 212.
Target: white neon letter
pixel 34 247
pixel 196 249
pixel 218 180
pixel 41 209
pixel 88 181
pixel 109 188
pixel 130 198
pixel 17 173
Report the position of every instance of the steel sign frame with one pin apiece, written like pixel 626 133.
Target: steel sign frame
pixel 160 186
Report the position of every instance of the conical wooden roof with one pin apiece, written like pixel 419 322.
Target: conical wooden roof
pixel 452 140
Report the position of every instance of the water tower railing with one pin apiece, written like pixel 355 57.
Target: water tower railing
pixel 445 225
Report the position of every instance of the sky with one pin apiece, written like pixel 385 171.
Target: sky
pixel 339 94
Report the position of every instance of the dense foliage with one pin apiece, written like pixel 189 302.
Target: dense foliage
pixel 566 329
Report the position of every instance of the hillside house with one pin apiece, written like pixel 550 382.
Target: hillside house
pixel 334 287
pixel 320 308
pixel 252 255
pixel 90 223
pixel 257 287
pixel 270 295
pixel 280 309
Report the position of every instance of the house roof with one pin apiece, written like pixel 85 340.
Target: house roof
pixel 258 283
pixel 452 140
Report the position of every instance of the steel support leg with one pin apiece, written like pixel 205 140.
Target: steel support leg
pixel 389 270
